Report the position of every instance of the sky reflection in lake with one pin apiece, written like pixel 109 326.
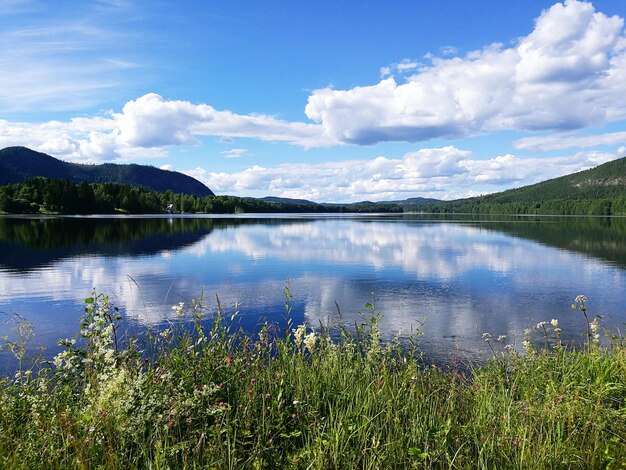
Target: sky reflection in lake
pixel 462 278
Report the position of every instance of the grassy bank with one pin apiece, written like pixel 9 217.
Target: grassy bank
pixel 214 398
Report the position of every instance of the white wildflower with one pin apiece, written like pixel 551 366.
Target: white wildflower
pixel 179 308
pixel 501 339
pixel 58 361
pixel 580 299
pixel 487 337
pixel 64 361
pixel 309 341
pixel 528 347
pixel 109 356
pixel 298 334
pixel 554 322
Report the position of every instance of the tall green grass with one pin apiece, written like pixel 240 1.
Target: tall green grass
pixel 209 397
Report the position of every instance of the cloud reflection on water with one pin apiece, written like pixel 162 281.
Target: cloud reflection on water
pixel 462 279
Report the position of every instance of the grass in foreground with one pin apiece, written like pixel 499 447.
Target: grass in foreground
pixel 212 398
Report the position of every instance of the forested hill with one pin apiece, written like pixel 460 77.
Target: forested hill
pixel 18 164
pixel 604 181
pixel 600 190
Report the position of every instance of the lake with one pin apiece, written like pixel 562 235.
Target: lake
pixel 459 275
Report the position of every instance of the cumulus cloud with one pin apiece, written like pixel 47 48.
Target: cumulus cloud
pixel 569 72
pixel 78 138
pixel 151 121
pixel 443 173
pixel 149 124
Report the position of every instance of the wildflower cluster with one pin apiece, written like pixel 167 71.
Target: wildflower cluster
pixel 548 330
pixel 302 339
pixel 502 339
pixel 207 397
pixel 551 332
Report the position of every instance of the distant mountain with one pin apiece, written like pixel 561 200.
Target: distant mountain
pixel 18 164
pixel 286 200
pixel 412 201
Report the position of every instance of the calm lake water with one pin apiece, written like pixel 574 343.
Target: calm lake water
pixel 461 276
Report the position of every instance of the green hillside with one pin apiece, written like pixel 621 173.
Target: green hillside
pixel 598 191
pixel 18 164
pixel 604 181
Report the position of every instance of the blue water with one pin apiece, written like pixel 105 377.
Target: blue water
pixel 460 276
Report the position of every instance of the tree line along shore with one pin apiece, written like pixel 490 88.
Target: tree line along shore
pixel 52 196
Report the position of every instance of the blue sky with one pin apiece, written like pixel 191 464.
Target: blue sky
pixel 329 101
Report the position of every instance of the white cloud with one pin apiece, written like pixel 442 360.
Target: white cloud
pixel 448 50
pixel 406 65
pixel 403 67
pixel 79 138
pixel 442 173
pixel 566 141
pixel 569 72
pixel 151 121
pixel 234 153
pixel 147 125
pixel 507 171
